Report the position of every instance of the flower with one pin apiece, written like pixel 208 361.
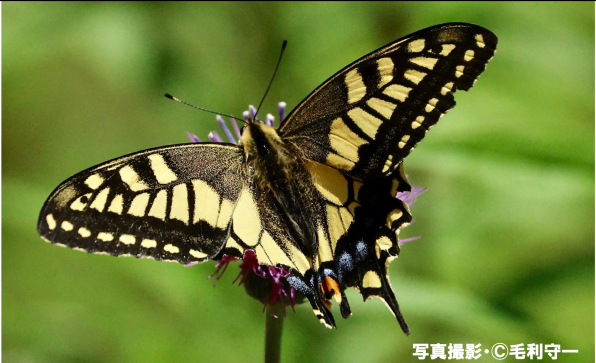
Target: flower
pixel 410 198
pixel 268 284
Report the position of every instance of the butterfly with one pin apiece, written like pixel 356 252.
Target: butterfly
pixel 315 196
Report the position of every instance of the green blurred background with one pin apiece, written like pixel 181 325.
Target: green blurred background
pixel 507 225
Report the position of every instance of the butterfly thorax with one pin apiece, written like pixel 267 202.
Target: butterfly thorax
pixel 263 149
pixel 276 172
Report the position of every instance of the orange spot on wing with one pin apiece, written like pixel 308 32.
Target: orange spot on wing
pixel 330 288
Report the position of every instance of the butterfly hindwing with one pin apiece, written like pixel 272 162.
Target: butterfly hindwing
pixel 356 237
pixel 368 117
pixel 363 220
pixel 172 203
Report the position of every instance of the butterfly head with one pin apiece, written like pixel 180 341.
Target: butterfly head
pixel 259 140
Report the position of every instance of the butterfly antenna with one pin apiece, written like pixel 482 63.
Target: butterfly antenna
pixel 201 108
pixel 283 47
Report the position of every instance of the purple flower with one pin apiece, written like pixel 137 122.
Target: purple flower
pixel 410 197
pixel 192 137
pixel 214 136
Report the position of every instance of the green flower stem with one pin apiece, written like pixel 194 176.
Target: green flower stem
pixel 273 329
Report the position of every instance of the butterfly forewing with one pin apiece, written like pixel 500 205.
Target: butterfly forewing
pixel 171 203
pixel 366 118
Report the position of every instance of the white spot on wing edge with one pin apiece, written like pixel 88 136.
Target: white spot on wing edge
pixel 416 123
pixel 479 40
pixel 171 248
pixel 447 88
pixel 394 215
pixel 127 239
pixel 384 243
pixel 431 105
pixel 403 141
pixel 459 71
pixel 51 221
pixel 387 165
pixel 94 181
pixel 198 254
pixel 148 243
pixel 416 46
pixel 67 226
pixel 84 232
pixel 104 236
pixel 371 280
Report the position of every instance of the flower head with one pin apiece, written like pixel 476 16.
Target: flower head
pixel 410 198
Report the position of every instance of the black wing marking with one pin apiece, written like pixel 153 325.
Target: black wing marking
pixel 367 117
pixel 171 203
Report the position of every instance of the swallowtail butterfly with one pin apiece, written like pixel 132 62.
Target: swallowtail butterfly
pixel 315 196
